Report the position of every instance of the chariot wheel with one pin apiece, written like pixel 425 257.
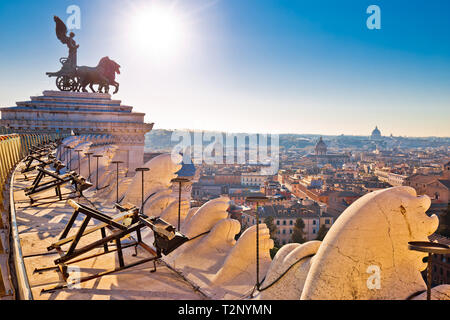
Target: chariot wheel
pixel 66 83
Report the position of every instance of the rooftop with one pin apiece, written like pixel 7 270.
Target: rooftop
pixel 40 226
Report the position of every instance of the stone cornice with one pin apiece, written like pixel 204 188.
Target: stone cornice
pixel 89 95
pixel 71 109
pixel 79 124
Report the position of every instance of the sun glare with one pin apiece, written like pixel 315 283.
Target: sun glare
pixel 158 31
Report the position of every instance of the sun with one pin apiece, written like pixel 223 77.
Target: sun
pixel 158 31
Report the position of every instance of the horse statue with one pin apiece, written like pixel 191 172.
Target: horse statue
pixel 111 68
pixel 103 74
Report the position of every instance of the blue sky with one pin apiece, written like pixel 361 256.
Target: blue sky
pixel 251 65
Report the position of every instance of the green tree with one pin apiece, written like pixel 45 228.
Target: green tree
pixel 298 234
pixel 322 232
pixel 269 221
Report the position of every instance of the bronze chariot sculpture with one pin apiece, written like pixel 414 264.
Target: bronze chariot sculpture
pixel 74 78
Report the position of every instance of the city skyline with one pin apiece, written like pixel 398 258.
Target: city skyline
pixel 278 67
pixel 368 134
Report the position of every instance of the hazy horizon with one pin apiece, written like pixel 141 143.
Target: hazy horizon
pixel 306 134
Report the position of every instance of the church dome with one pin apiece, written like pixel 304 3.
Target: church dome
pixel 321 147
pixel 376 133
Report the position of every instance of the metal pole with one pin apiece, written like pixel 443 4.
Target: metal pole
pixel 117 179
pixel 142 186
pixel 180 181
pixel 96 180
pixel 117 184
pixel 88 154
pixel 89 165
pixel 142 193
pixel 429 278
pixel 179 206
pixel 257 246
pixel 66 156
pixel 79 161
pixel 257 200
pixel 431 248
pixel 70 158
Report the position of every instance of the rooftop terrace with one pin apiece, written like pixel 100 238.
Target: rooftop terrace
pixel 40 225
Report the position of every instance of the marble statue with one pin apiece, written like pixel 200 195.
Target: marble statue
pixel 365 254
pixel 369 239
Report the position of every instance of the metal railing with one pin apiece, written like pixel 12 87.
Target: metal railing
pixel 13 148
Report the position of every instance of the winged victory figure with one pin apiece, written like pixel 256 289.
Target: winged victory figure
pixel 61 34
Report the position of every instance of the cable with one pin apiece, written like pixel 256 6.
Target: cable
pixel 198 236
pixel 284 273
pixel 143 204
pixel 276 280
pixel 415 294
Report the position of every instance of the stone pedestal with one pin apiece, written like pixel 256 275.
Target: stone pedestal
pixel 84 114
